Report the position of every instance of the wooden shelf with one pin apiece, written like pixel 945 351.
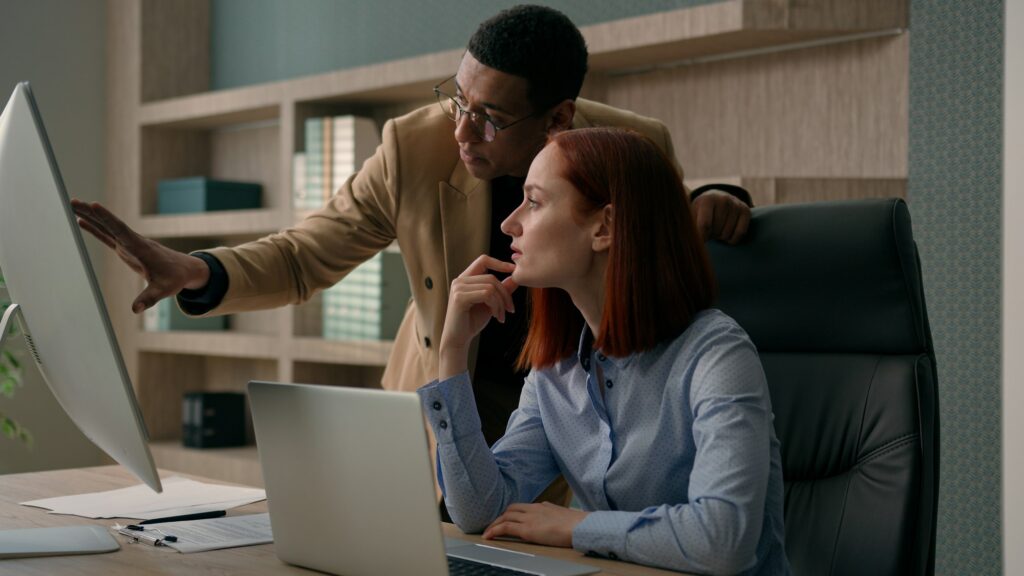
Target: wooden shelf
pixel 620 45
pixel 241 465
pixel 225 344
pixel 347 352
pixel 212 224
pixel 766 190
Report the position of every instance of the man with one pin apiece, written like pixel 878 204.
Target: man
pixel 442 198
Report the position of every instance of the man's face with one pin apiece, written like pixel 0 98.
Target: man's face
pixel 502 97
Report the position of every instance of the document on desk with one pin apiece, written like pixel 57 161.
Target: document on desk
pixel 229 532
pixel 180 496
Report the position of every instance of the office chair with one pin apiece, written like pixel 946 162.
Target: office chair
pixel 831 294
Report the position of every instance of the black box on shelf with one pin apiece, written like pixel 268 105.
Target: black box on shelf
pixel 213 419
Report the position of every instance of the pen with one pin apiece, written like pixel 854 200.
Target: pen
pixel 196 516
pixel 139 534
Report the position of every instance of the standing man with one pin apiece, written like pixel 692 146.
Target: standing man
pixel 441 197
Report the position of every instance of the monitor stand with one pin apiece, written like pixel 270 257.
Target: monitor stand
pixel 59 541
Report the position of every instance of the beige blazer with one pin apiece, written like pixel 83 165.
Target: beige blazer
pixel 414 189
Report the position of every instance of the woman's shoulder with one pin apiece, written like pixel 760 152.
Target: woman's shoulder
pixel 712 323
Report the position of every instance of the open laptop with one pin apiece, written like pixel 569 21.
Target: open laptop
pixel 350 487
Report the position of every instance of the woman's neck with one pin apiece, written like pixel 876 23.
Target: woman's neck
pixel 588 297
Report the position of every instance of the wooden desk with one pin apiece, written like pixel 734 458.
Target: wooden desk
pixel 143 559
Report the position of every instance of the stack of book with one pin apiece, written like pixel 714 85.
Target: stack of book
pixel 369 303
pixel 336 148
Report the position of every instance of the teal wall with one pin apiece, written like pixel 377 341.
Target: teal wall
pixel 955 191
pixel 254 41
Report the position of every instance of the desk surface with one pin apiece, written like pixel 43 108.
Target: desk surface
pixel 142 559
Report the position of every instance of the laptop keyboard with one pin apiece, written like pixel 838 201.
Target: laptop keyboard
pixel 463 567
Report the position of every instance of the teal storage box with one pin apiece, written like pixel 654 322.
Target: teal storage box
pixel 165 316
pixel 189 195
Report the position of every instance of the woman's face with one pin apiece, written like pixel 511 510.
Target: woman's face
pixel 553 245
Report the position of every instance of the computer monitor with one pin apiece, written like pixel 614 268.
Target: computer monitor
pixel 51 282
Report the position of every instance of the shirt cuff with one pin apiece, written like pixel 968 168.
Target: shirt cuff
pixel 604 534
pixel 450 408
pixel 201 301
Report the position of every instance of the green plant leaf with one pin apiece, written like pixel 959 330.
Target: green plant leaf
pixel 7 386
pixel 10 428
pixel 12 359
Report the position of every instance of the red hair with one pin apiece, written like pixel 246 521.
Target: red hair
pixel 659 274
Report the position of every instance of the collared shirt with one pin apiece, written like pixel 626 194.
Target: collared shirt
pixel 672 451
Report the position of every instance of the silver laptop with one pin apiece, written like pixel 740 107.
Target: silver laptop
pixel 350 486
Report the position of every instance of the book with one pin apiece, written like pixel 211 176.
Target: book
pixel 370 302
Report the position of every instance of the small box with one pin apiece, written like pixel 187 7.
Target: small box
pixel 213 419
pixel 190 195
pixel 165 316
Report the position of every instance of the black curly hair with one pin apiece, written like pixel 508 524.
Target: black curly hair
pixel 539 44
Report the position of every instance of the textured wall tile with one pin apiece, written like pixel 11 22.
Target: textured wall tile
pixel 955 191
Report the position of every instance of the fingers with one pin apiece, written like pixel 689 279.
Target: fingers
pixel 148 298
pixel 484 263
pixel 705 217
pixel 730 217
pixel 100 235
pixel 742 225
pixel 114 225
pixel 105 221
pixel 504 529
pixel 466 298
pixel 500 288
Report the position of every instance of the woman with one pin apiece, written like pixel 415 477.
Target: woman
pixel 651 404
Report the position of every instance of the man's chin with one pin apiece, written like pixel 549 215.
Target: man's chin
pixel 482 171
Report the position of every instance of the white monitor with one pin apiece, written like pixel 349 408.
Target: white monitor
pixel 51 282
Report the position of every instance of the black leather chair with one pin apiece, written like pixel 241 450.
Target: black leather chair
pixel 831 294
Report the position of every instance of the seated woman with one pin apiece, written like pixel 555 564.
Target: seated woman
pixel 652 404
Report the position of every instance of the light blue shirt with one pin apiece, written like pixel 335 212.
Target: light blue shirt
pixel 672 451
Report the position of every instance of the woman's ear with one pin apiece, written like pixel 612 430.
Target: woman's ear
pixel 561 116
pixel 602 240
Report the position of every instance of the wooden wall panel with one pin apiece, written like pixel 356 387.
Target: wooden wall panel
pixel 831 111
pixel 175 48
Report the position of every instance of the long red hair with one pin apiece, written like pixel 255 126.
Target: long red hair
pixel 659 274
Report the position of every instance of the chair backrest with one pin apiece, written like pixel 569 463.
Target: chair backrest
pixel 831 294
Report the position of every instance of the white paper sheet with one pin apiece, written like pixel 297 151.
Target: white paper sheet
pixel 180 496
pixel 213 534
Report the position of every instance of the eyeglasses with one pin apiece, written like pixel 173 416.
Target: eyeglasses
pixel 484 125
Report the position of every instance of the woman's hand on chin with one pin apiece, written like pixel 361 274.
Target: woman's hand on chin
pixel 475 297
pixel 544 523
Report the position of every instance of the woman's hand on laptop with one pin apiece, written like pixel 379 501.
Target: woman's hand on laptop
pixel 166 271
pixel 544 523
pixel 476 296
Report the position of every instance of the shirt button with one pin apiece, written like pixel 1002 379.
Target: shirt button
pixel 437 405
pixel 443 424
pixel 429 283
pixel 601 357
pixel 426 342
pixel 608 383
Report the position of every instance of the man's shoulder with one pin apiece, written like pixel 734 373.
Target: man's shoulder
pixel 422 141
pixel 590 113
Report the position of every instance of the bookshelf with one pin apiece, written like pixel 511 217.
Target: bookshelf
pixel 163 122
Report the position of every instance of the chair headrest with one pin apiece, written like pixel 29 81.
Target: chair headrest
pixel 826 277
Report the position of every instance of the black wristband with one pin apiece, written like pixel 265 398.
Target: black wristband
pixel 200 301
pixel 731 189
